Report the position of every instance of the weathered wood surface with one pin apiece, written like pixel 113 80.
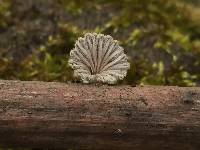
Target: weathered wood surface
pixel 58 115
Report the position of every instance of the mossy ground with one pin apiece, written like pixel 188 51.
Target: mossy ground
pixel 162 38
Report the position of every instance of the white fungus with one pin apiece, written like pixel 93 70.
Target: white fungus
pixel 98 58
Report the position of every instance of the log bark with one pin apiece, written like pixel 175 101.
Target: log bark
pixel 75 116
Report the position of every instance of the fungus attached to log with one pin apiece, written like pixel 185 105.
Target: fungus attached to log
pixel 98 58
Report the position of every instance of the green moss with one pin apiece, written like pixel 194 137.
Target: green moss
pixel 4 13
pixel 161 38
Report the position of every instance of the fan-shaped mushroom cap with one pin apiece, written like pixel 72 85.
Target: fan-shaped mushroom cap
pixel 98 58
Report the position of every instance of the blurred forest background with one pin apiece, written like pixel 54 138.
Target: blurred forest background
pixel 161 38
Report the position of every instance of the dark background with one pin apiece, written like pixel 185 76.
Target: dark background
pixel 161 38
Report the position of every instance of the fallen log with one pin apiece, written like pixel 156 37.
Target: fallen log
pixel 57 115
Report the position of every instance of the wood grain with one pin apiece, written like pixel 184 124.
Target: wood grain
pixel 75 116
